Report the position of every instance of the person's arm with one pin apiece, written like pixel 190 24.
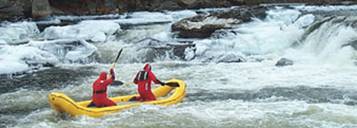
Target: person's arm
pixel 108 81
pixel 136 78
pixel 155 80
pixel 111 78
pixel 112 74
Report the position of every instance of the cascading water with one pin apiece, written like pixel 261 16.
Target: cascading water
pixel 318 90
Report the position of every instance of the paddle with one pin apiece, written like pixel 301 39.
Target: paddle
pixel 117 82
pixel 117 58
pixel 172 84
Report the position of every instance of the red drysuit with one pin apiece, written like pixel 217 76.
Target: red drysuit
pixel 143 79
pixel 100 98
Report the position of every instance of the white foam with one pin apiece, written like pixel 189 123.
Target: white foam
pixel 286 16
pixel 327 8
pixel 150 15
pixel 94 30
pixel 19 58
pixel 14 33
pixel 145 17
pixel 86 17
pixel 305 20
pixel 178 15
pixel 273 35
pixel 80 49
pixel 326 44
pixel 36 53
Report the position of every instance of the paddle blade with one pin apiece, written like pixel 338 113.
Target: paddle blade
pixel 117 83
pixel 172 84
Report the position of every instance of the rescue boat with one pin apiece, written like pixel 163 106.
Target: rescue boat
pixel 166 95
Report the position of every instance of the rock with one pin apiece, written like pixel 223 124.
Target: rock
pixel 179 49
pixel 203 32
pixel 40 9
pixel 87 7
pixel 17 9
pixel 225 33
pixel 202 26
pixel 244 13
pixel 14 10
pixel 168 5
pixel 353 44
pixel 184 22
pixel 230 58
pixel 187 3
pixel 284 62
pixel 151 43
pixel 152 49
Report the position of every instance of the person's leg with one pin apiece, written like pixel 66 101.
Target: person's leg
pixel 150 96
pixel 142 94
pixel 134 98
pixel 91 104
pixel 108 102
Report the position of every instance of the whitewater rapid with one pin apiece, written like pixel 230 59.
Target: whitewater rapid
pixel 219 95
pixel 318 90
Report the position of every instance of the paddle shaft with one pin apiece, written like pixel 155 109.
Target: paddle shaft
pixel 116 83
pixel 117 58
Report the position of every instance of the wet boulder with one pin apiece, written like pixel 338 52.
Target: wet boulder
pixel 225 33
pixel 243 13
pixel 230 58
pixel 202 26
pixel 83 7
pixel 187 3
pixel 41 9
pixel 352 44
pixel 151 43
pixel 14 9
pixel 284 62
pixel 152 49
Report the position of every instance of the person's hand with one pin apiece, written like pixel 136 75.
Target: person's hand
pixel 162 83
pixel 111 71
pixel 112 75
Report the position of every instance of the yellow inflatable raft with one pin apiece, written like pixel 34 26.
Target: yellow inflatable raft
pixel 62 103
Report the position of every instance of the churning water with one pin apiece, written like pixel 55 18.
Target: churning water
pixel 319 90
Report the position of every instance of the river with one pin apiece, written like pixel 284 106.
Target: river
pixel 318 91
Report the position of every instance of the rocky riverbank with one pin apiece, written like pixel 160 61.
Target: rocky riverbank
pixel 22 9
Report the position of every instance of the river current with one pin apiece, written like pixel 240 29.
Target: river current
pixel 318 91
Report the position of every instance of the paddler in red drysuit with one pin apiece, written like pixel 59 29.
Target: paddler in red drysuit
pixel 143 79
pixel 100 97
